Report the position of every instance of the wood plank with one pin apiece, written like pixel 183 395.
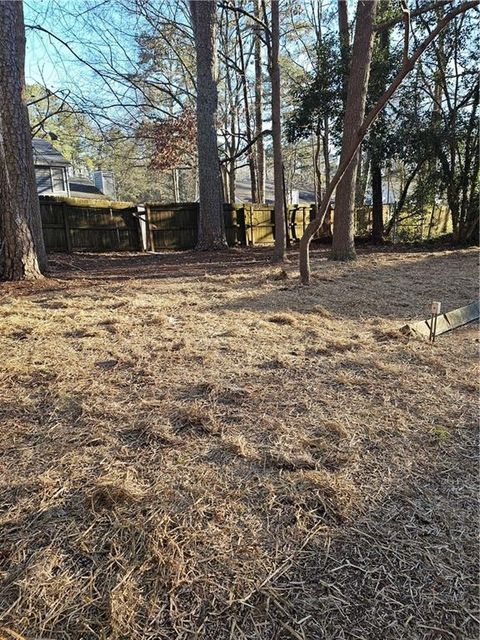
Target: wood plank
pixel 445 321
pixel 66 223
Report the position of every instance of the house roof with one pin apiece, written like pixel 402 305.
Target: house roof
pixel 81 187
pixel 44 154
pixel 244 194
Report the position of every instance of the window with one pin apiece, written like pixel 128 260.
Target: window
pixel 58 179
pixel 44 179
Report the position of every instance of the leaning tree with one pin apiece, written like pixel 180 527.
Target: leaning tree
pixel 22 250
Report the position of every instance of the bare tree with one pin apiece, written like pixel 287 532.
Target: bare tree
pixel 280 231
pixel 377 142
pixel 259 146
pixel 407 66
pixel 343 247
pixel 22 251
pixel 242 70
pixel 211 227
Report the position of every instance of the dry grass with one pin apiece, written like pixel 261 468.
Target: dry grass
pixel 201 448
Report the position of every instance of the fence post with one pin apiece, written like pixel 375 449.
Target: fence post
pixel 252 235
pixel 150 238
pixel 140 227
pixel 110 210
pixel 66 226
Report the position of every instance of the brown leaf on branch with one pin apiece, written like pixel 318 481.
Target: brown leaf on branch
pixel 171 140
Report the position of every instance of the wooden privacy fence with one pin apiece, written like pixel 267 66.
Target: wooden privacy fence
pixel 74 224
pixel 174 226
pixel 408 226
pixel 260 222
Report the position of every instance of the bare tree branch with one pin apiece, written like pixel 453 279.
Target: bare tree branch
pixel 266 132
pixel 413 14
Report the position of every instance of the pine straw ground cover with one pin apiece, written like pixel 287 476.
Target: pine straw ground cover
pixel 201 448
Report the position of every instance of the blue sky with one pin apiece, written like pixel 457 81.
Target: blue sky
pixel 51 63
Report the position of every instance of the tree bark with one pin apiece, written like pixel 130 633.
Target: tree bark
pixel 175 186
pixel 22 249
pixel 211 225
pixel 231 117
pixel 259 145
pixel 361 180
pixel 317 168
pixel 280 236
pixel 343 246
pixel 326 149
pixel 231 183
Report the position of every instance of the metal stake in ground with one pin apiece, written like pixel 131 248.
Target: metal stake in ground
pixel 434 311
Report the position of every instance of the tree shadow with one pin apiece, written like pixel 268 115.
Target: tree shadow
pixel 402 286
pixel 400 564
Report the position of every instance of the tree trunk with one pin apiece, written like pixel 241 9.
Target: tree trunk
pixel 343 246
pixel 361 180
pixel 175 186
pixel 377 202
pixel 280 246
pixel 317 168
pixel 379 82
pixel 326 149
pixel 231 183
pixel 344 37
pixel 259 145
pixel 225 183
pixel 230 122
pixel 22 249
pixel 211 226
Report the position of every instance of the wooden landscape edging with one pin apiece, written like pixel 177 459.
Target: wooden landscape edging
pixel 445 321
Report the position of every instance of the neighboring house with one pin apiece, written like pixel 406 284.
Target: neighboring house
pixel 243 193
pixel 53 176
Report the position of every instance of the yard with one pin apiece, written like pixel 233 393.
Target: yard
pixel 194 446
